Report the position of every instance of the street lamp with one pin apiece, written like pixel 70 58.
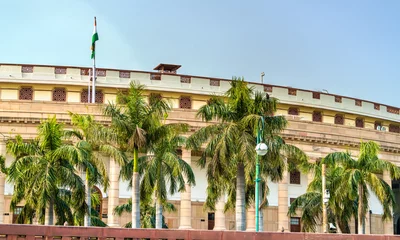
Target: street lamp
pixel 261 150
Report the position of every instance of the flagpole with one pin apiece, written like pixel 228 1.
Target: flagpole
pixel 88 96
pixel 94 81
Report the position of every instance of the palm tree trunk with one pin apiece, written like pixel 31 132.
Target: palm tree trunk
pixel 88 200
pixel 49 214
pixel 360 209
pixel 240 199
pixel 158 214
pixel 135 192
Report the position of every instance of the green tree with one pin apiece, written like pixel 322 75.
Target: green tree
pixel 43 177
pixel 340 208
pixel 360 177
pixel 98 139
pixel 350 182
pixel 133 122
pixel 163 171
pixel 147 213
pixel 229 155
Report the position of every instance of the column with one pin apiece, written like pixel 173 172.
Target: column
pixel 388 225
pixel 283 219
pixel 219 214
pixel 186 198
pixel 2 183
pixel 251 218
pixel 113 193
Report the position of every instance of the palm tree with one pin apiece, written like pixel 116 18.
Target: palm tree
pixel 360 176
pixel 229 154
pixel 147 213
pixel 133 122
pixel 340 208
pixel 96 137
pixel 43 176
pixel 349 182
pixel 163 171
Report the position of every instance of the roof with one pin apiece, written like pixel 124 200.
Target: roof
pixel 167 67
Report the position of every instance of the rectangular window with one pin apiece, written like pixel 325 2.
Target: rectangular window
pixel 295 177
pixel 155 76
pixel 316 95
pixel 214 82
pixel 185 79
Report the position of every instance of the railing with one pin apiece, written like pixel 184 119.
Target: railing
pixel 32 232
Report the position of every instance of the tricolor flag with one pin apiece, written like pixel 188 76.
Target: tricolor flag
pixel 95 37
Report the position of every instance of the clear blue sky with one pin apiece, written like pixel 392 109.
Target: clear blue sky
pixel 349 47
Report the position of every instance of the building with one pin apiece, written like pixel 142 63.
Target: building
pixel 319 123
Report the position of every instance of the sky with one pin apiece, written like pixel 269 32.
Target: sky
pixel 347 47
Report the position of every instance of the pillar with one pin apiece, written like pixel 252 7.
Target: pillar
pixel 388 225
pixel 2 183
pixel 186 198
pixel 283 219
pixel 219 214
pixel 251 218
pixel 113 193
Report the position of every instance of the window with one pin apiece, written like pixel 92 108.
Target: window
pixel 292 91
pixel 394 128
pixel 339 119
pixel 392 110
pixel 123 74
pixel 267 88
pixel 316 95
pixel 85 71
pixel 185 102
pixel 98 207
pixel 295 224
pixel 377 106
pixel 211 221
pixel 26 93
pixel 295 177
pixel 293 111
pixel 59 95
pixel 358 102
pixel 317 116
pixel 153 97
pixel 155 76
pixel 60 70
pixel 16 213
pixel 292 200
pixel 101 73
pixel 359 122
pixel 338 99
pixel 99 97
pixel 186 79
pixel 214 82
pixel 377 125
pixel 27 69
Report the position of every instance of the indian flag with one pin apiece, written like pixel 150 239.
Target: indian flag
pixel 95 37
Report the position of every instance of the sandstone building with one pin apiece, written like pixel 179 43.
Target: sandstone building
pixel 319 123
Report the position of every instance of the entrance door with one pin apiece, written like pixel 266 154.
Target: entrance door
pixel 295 224
pixel 211 221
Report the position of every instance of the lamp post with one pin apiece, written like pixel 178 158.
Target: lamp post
pixel 261 150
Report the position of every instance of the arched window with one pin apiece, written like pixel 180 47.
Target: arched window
pixel 317 116
pixel 359 122
pixel 293 111
pixel 339 119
